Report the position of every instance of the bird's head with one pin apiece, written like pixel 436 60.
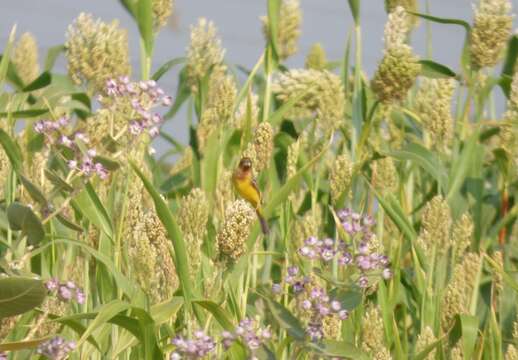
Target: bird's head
pixel 245 164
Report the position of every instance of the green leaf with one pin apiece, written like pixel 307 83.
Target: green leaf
pixel 24 114
pixel 219 313
pixel 109 164
pixel 52 55
pixel 20 294
pixel 462 164
pixel 174 233
pixel 40 82
pixel 274 7
pixel 165 311
pixel 276 118
pixel 4 63
pixel 286 320
pixel 162 70
pixel 443 20
pixel 337 348
pixel 57 181
pixel 435 70
pixel 22 218
pixel 349 299
pixel 182 94
pixel 23 345
pixel 105 313
pixel 12 150
pixel 35 193
pixel 144 15
pixel 469 326
pixel 354 5
pixel 89 204
pixel 509 65
pixel 422 157
pixel 68 223
pixel 423 354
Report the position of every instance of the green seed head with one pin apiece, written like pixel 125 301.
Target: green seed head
pixel 96 51
pixel 162 10
pixel 340 176
pixel 316 58
pixel 25 58
pixel 288 28
pixel 436 225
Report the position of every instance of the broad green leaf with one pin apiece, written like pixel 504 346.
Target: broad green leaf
pixel 174 234
pixel 183 92
pixel 162 70
pixel 422 157
pixel 354 5
pixel 337 348
pixel 24 114
pixel 423 354
pixel 509 65
pixel 68 223
pixel 4 63
pixel 12 150
pixel 40 82
pixel 222 317
pixel 144 15
pixel 462 164
pixel 435 70
pixel 35 192
pixel 165 311
pixel 23 345
pixel 89 204
pixel 57 181
pixel 286 320
pixel 52 55
pixel 469 325
pixel 105 313
pixel 274 7
pixel 22 218
pixel 19 295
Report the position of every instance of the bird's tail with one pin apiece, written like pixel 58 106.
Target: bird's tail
pixel 262 220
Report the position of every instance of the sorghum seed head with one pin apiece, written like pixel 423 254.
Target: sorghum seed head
pixel 384 175
pixel 433 104
pixel 25 58
pixel 408 5
pixel 209 124
pixel 396 74
pixel 293 157
pixel 425 339
pixel 263 145
pixel 457 297
pixel 461 234
pixel 436 224
pixel 321 93
pixel 396 29
pixel 162 10
pixel 372 332
pixel 316 58
pixel 232 236
pixel 192 220
pixel 222 95
pixel 96 51
pixel 511 353
pixel 491 29
pixel 288 28
pixel 204 54
pixel 340 176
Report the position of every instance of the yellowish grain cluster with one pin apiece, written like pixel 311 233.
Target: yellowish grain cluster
pixel 192 219
pixel 316 58
pixel 205 53
pixel 491 29
pixel 384 175
pixel 96 51
pixel 458 294
pixel 319 92
pixel 373 334
pixel 435 225
pixel 408 5
pixel 162 10
pixel 232 236
pixel 288 28
pixel 340 176
pixel 425 339
pixel 261 149
pixel 433 104
pixel 25 58
pixel 399 68
pixel 461 235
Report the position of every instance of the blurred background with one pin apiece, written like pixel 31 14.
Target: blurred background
pixel 325 21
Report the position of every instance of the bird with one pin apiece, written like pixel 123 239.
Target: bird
pixel 246 187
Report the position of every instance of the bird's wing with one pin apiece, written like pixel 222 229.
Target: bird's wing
pixel 254 184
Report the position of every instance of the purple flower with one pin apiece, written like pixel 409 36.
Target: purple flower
pixel 387 273
pixel 343 314
pixel 335 305
pixel 56 348
pixel 167 100
pixel 306 304
pixel 293 270
pixel 315 332
pixel 65 293
pixel 198 347
pixel 3 355
pixel 363 282
pixel 52 284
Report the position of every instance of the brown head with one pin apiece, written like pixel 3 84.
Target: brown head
pixel 244 169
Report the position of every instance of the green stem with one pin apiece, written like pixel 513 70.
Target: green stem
pixel 145 62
